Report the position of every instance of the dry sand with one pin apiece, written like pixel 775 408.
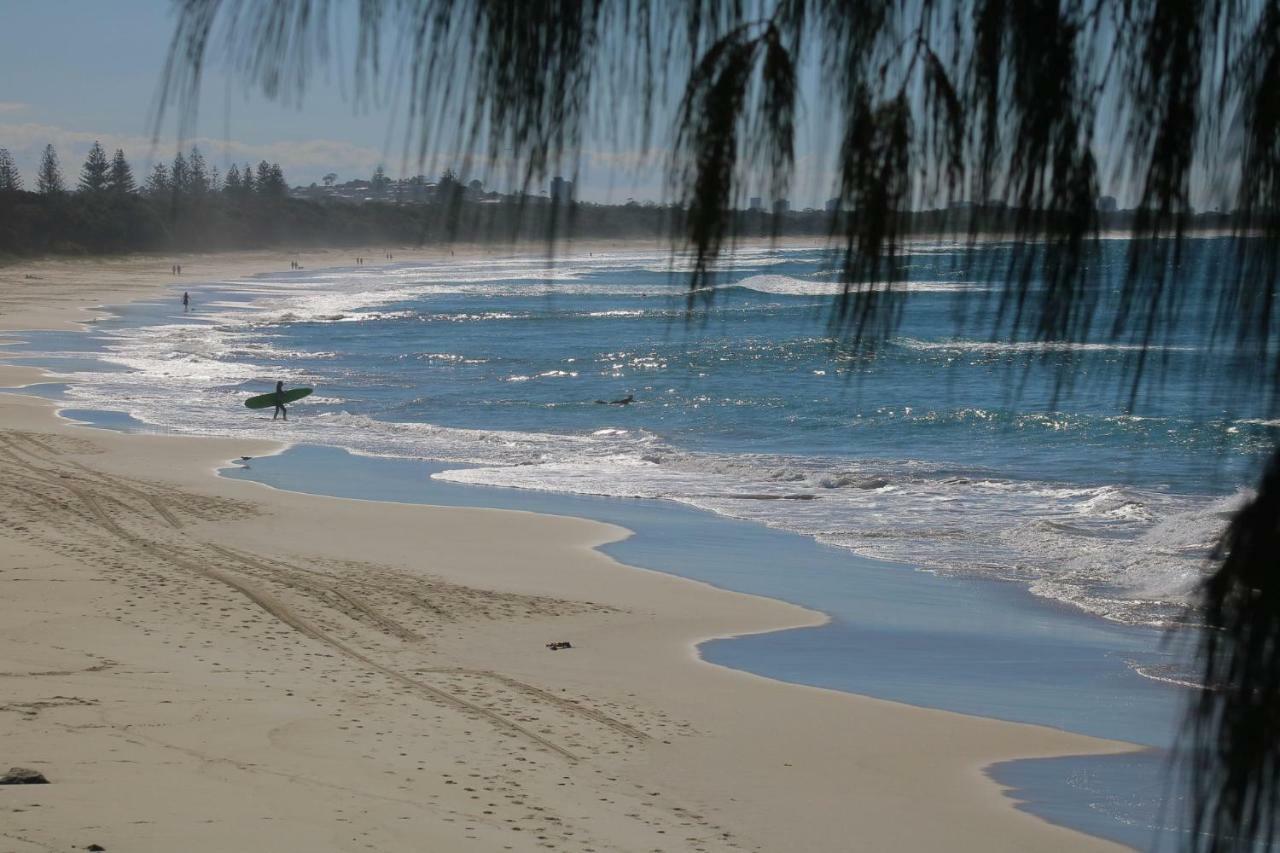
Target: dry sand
pixel 202 664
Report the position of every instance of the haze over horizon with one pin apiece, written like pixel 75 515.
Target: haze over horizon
pixel 97 78
pixel 71 78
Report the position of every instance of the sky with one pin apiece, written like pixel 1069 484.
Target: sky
pixel 72 71
pixel 75 71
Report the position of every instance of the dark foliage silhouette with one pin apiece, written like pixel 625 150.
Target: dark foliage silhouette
pixel 996 101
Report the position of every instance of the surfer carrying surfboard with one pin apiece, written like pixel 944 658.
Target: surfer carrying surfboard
pixel 277 398
pixel 280 409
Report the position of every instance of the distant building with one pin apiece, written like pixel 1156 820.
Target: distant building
pixel 1107 204
pixel 756 203
pixel 781 206
pixel 561 190
pixel 833 204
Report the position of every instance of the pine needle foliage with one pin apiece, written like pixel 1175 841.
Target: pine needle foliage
pixel 1005 102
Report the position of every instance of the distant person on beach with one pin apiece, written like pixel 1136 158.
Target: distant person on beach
pixel 186 302
pixel 280 409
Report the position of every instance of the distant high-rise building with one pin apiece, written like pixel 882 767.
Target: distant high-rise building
pixel 561 190
pixel 1107 204
pixel 756 203
pixel 781 206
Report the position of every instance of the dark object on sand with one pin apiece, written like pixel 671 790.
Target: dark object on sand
pixel 563 644
pixel 627 400
pixel 95 847
pixel 23 776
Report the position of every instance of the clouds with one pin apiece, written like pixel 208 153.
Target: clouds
pixel 12 106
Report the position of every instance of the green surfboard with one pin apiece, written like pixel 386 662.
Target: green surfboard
pixel 266 401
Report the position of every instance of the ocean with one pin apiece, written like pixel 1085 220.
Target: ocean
pixel 949 451
pixel 991 526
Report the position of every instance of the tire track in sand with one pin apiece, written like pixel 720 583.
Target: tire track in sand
pixel 281 611
pixel 297 576
pixel 154 501
pixel 399 630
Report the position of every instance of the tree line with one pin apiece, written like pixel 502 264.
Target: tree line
pixel 189 205
pixel 184 204
pixel 187 177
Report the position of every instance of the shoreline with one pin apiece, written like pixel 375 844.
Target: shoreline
pixel 284 474
pixel 82 285
pixel 640 665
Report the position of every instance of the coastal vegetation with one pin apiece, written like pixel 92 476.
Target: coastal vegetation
pixel 1029 103
pixel 187 205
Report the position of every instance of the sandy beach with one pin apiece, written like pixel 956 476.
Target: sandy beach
pixel 64 292
pixel 204 664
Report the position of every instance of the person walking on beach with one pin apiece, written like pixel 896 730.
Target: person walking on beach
pixel 186 302
pixel 280 409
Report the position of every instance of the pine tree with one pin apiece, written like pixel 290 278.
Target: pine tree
pixel 263 180
pixel 180 176
pixel 232 187
pixel 158 181
pixel 215 180
pixel 197 174
pixel 378 183
pixel 49 179
pixel 10 180
pixel 94 177
pixel 279 189
pixel 246 181
pixel 121 178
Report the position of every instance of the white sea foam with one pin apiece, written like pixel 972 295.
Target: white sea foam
pixel 1123 553
pixel 1025 346
pixel 448 358
pixel 785 285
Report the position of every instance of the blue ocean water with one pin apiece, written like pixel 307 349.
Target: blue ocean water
pixel 950 451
